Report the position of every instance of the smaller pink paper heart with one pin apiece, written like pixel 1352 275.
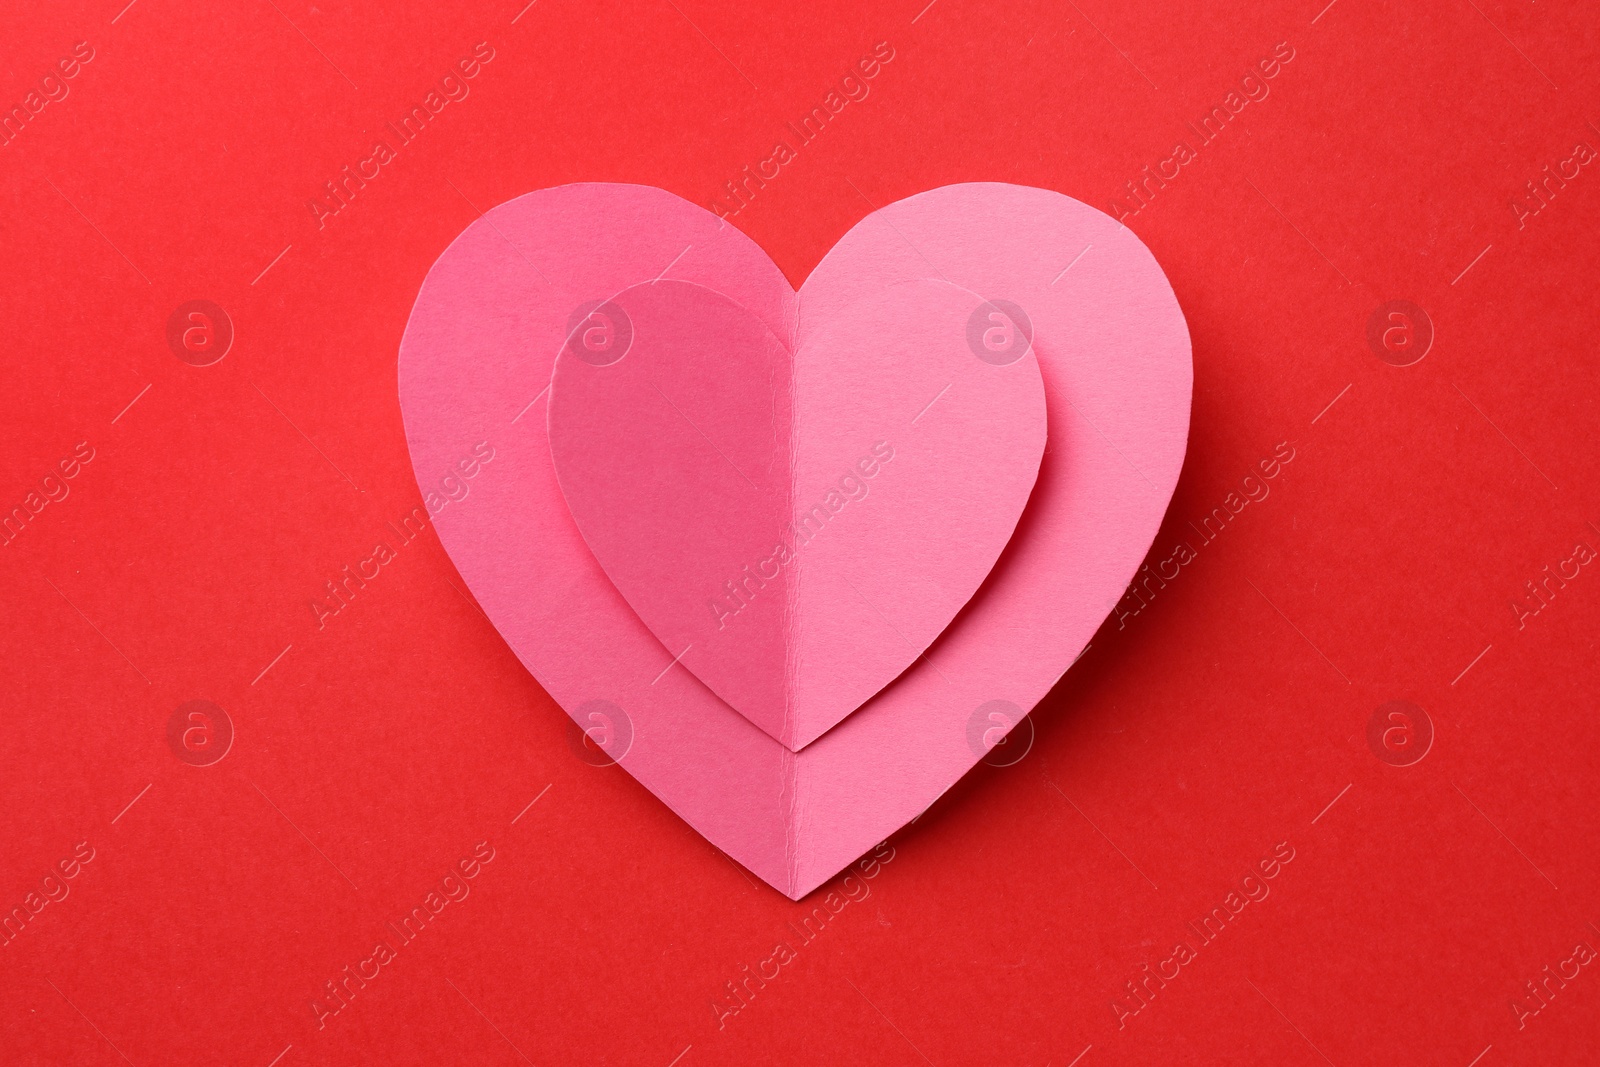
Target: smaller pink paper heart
pixel 797 528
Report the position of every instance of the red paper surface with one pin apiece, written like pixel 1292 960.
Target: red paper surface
pixel 1347 533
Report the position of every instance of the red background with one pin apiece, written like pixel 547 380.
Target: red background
pixel 1224 718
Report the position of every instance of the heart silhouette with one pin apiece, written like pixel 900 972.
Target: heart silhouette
pixel 540 278
pixel 796 528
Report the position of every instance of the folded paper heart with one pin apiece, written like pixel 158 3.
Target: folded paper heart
pixel 796 528
pixel 699 409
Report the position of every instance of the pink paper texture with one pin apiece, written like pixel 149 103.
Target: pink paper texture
pixel 796 530
pixel 1112 352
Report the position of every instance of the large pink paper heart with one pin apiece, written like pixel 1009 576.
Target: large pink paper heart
pixel 1113 351
pixel 797 527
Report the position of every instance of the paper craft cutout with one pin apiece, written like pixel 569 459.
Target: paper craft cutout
pixel 1113 354
pixel 796 528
